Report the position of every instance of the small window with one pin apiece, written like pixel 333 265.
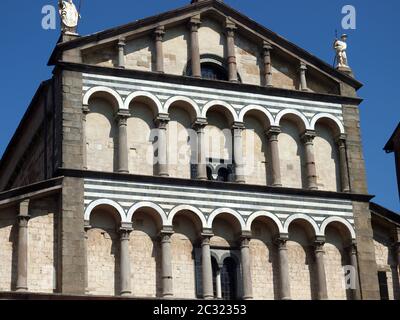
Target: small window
pixel 383 285
pixel 213 71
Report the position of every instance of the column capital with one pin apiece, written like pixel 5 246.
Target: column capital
pixel 352 248
pixel 341 139
pixel 199 124
pixel 121 42
pixel 281 241
pixel 122 116
pixel 194 23
pixel 308 136
pixel 273 132
pixel 245 238
pixel 162 120
pixel 238 125
pixel 267 47
pixel 166 234
pixel 85 109
pixel 205 239
pixel 230 27
pixel 24 208
pixel 86 226
pixel 319 243
pixel 303 66
pixel 124 233
pixel 159 33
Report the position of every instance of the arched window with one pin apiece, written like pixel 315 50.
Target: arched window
pixel 213 71
pixel 213 67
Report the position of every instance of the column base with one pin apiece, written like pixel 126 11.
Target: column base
pixel 202 178
pixel 125 293
pixel 123 171
pixel 163 175
pixel 248 298
pixel 277 185
pixel 208 297
pixel 21 289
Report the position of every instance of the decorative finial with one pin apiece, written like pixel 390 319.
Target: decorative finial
pixel 340 47
pixel 69 16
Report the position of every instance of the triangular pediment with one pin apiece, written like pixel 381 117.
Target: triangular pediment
pixel 101 48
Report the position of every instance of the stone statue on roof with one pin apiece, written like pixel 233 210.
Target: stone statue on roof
pixel 69 16
pixel 340 47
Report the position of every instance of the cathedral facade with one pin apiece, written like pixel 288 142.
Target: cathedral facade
pixel 193 154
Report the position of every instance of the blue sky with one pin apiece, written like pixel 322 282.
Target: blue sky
pixel 373 55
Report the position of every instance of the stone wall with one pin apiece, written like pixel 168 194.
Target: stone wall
pixel 42 246
pixel 8 248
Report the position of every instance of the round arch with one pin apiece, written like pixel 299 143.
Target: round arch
pixel 296 113
pixel 300 216
pixel 254 107
pixel 232 212
pixel 187 100
pixel 226 105
pixel 266 214
pixel 320 116
pixel 145 204
pixel 93 205
pixel 184 207
pixel 145 94
pixel 340 220
pixel 105 90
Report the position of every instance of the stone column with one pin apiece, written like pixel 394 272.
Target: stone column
pixel 303 78
pixel 125 261
pixel 122 120
pixel 218 284
pixel 355 293
pixel 322 293
pixel 308 139
pixel 206 266
pixel 344 171
pixel 166 267
pixel 85 111
pixel 199 126
pixel 231 54
pixel 22 260
pixel 237 129
pixel 121 53
pixel 246 267
pixel 159 35
pixel 267 48
pixel 284 282
pixel 162 163
pixel 194 25
pixel 85 253
pixel 272 135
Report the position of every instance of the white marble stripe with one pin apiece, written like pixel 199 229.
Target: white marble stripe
pixel 121 190
pixel 229 99
pixel 204 190
pixel 86 77
pixel 220 197
pixel 214 204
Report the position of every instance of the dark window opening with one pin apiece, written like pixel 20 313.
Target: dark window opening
pixel 383 285
pixel 213 71
pixel 229 279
